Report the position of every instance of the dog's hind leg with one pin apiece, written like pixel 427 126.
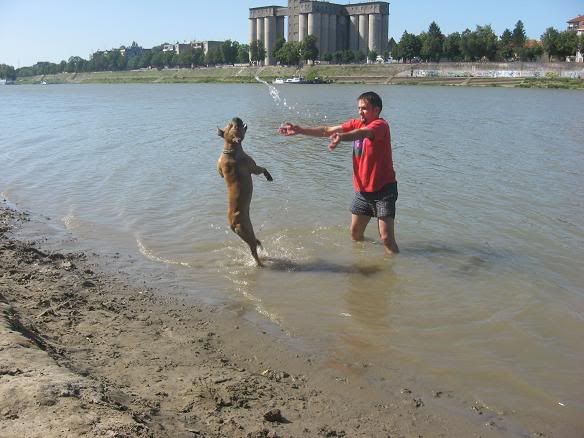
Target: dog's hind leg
pixel 245 231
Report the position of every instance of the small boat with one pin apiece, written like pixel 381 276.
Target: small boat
pixel 300 80
pixel 295 80
pixel 44 83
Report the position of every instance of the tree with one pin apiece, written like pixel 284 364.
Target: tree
pixel 185 58
pixel 213 57
pixel 518 40
pixel 409 46
pixel 157 60
pixel 505 46
pixel 338 57
pixel 289 53
pixel 308 49
pixel 198 57
pixel 257 51
pixel 567 44
pixel 451 47
pixel 145 59
pixel 391 44
pixel 98 61
pixel 75 64
pixel 432 43
pixel 518 36
pixel 372 56
pixel 7 72
pixel 348 56
pixel 133 63
pixel 532 50
pixel 276 50
pixel 549 40
pixel 243 54
pixel 169 59
pixel 480 44
pixel 360 57
pixel 229 51
pixel 116 60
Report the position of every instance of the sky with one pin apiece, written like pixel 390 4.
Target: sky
pixel 33 31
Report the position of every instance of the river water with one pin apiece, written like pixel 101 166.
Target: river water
pixel 487 295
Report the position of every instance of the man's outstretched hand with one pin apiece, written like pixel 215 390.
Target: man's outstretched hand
pixel 288 129
pixel 335 140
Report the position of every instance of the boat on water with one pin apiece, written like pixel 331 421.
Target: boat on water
pixel 300 80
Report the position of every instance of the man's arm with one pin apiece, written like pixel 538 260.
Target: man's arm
pixel 355 134
pixel 316 131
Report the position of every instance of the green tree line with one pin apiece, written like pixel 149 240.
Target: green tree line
pixel 483 44
pixel 7 72
pixel 134 57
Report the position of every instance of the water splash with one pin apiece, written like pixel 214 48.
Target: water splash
pixel 281 102
pixel 70 220
pixel 274 93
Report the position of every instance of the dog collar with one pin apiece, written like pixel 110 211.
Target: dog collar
pixel 228 151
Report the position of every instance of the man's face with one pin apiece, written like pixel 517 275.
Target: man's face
pixel 367 112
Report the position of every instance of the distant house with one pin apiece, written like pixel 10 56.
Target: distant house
pixel 207 45
pixel 132 51
pixel 577 25
pixel 179 48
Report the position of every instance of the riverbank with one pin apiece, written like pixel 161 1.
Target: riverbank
pixel 87 353
pixel 560 75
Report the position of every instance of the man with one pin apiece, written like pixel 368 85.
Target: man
pixel 373 173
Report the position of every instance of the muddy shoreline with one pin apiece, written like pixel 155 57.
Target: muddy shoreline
pixel 86 353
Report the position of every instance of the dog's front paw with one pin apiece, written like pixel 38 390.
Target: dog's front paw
pixel 268 176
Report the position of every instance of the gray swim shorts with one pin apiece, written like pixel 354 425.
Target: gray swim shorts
pixel 376 204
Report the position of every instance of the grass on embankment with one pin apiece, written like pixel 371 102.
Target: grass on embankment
pixel 341 74
pixel 558 83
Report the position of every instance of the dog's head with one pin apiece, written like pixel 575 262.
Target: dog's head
pixel 234 132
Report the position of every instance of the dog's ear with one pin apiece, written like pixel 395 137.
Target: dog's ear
pixel 220 133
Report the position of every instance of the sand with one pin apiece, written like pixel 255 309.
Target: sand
pixel 84 352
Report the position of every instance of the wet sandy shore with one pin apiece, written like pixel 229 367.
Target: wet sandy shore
pixel 85 353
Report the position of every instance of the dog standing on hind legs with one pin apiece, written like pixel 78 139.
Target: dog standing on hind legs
pixel 236 167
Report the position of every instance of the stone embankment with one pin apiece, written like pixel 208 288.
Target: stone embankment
pixel 478 74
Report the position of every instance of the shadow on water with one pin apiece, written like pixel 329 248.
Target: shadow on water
pixel 286 265
pixel 460 259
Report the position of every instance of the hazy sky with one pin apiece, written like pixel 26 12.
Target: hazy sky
pixel 32 31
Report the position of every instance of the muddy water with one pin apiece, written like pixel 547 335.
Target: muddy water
pixel 486 298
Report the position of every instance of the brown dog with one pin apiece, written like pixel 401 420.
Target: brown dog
pixel 236 167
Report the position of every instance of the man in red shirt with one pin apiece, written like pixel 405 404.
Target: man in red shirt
pixel 373 173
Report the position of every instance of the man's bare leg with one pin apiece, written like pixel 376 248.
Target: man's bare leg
pixel 358 225
pixel 387 234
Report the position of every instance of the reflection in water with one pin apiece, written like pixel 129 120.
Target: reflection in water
pixel 288 265
pixel 364 328
pixel 462 259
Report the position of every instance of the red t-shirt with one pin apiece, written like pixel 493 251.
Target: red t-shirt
pixel 372 159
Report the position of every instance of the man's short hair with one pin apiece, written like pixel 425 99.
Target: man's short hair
pixel 373 98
